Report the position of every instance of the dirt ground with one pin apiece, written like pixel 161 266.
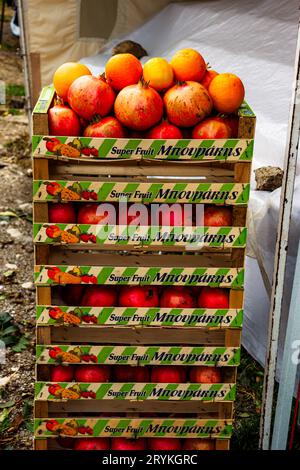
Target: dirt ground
pixel 16 259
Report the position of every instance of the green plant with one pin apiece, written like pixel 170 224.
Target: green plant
pixel 11 334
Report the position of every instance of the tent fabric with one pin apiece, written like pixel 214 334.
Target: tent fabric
pixel 257 41
pixel 53 28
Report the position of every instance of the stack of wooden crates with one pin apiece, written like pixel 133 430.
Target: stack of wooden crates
pixel 186 171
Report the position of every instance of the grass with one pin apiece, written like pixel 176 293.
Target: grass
pixel 15 90
pixel 248 404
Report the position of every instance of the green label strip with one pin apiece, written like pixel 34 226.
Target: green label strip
pixel 130 316
pixel 86 148
pixel 201 193
pixel 138 355
pixel 195 237
pixel 136 427
pixel 135 391
pixel 214 277
pixel 44 102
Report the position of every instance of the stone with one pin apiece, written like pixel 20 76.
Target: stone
pixel 14 232
pixel 28 285
pixel 268 178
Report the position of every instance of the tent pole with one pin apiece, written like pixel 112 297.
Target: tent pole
pixel 289 367
pixel 280 255
pixel 23 46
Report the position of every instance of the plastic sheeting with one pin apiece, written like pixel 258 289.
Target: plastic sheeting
pixel 257 41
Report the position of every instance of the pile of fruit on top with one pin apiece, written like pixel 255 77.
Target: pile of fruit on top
pixel 162 100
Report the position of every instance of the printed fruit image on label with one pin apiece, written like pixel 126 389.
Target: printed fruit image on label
pixel 138 355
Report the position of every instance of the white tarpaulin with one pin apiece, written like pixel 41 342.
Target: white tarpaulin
pixel 257 41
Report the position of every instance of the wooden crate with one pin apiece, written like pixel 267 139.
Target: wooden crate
pixel 148 172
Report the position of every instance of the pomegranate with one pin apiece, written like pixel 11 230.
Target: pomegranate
pixel 233 122
pixel 205 375
pixel 106 127
pixel 168 374
pixel 96 214
pixel 92 443
pixel 62 213
pixel 138 107
pixel 170 215
pixel 213 297
pixel 65 442
pixel 92 374
pixel 177 297
pixel 164 443
pixel 198 444
pixel 136 214
pixel 121 443
pixel 212 128
pixel 63 121
pixel 164 130
pixel 187 104
pixel 99 296
pixel 131 374
pixel 217 216
pixel 90 95
pixel 71 295
pixel 138 296
pixel 62 373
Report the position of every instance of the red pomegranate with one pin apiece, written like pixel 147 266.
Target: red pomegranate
pixel 71 295
pixel 164 443
pixel 168 374
pixel 233 122
pixel 99 296
pixel 212 128
pixel 164 130
pixel 126 373
pixel 205 375
pixel 92 443
pixel 62 213
pixel 90 95
pixel 177 297
pixel 187 104
pixel 213 297
pixel 92 373
pixel 63 121
pixel 121 443
pixel 208 77
pixel 138 296
pixel 138 107
pixel 106 127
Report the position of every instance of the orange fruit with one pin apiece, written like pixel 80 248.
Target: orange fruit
pixel 122 70
pixel 227 92
pixel 208 77
pixel 188 64
pixel 159 73
pixel 65 75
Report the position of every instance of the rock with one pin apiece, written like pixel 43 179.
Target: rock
pixel 28 285
pixel 26 208
pixel 29 172
pixel 268 178
pixel 130 47
pixel 11 266
pixel 14 232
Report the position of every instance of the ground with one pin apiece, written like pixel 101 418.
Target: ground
pixel 17 294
